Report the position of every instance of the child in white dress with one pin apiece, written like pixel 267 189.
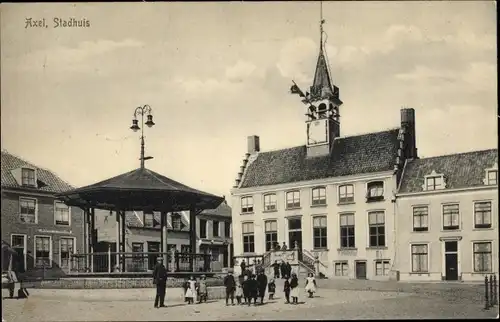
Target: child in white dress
pixel 310 284
pixel 191 290
pixel 239 291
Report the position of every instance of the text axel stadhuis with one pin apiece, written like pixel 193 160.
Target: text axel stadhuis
pixel 57 23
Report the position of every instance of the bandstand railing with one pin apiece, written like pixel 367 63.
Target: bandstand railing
pixel 106 262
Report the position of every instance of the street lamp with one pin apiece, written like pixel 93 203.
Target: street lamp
pixel 142 110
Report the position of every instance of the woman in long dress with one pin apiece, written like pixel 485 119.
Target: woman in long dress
pixel 191 290
pixel 310 284
pixel 294 285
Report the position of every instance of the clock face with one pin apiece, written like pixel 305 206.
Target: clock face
pixel 317 133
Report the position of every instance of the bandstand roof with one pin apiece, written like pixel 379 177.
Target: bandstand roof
pixel 140 189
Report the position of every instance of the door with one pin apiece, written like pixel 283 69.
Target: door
pixel 225 257
pixel 153 247
pixel 19 261
pixel 451 267
pixel 451 260
pixel 360 270
pixel 294 233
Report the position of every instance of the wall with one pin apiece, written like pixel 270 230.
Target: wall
pixel 45 227
pixel 466 233
pixel 307 212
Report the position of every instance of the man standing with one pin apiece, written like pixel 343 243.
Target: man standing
pixel 276 268
pixel 230 285
pixel 288 269
pixel 160 279
pixel 243 266
pixel 262 285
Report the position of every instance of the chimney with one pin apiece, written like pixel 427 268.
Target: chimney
pixel 253 144
pixel 408 124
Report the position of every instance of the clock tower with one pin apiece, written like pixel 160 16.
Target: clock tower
pixel 323 118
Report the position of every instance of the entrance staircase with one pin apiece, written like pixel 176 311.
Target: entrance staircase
pixel 302 261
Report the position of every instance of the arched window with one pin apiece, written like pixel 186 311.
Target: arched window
pixel 322 110
pixel 319 196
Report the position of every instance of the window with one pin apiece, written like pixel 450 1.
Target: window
pixel 319 232
pixel 482 257
pixel 137 247
pixel 346 193
pixel 248 238
pixel 203 228
pixel 27 211
pixel 176 221
pixel 341 269
pixel 271 228
pixel 295 233
pixel 319 196
pixel 419 258
pixel 492 177
pixel 227 229
pixel 215 255
pixel 420 218
pixel 376 222
pixel 215 228
pixel 347 231
pixel 434 183
pixel 381 268
pixel 292 199
pixel 43 252
pixel 482 214
pixel 28 177
pixel 270 203
pixel 450 217
pixel 61 213
pixel 149 220
pixel 246 205
pixel 66 249
pixel 375 191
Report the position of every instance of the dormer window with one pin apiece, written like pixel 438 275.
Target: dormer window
pixel 375 191
pixel 434 181
pixel 176 221
pixel 149 220
pixel 491 176
pixel 28 177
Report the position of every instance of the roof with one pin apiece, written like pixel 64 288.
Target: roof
pixel 140 189
pixel 135 219
pixel 322 77
pixel 47 181
pixel 366 153
pixel 223 211
pixel 461 170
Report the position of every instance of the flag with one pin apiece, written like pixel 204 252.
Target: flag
pixel 296 90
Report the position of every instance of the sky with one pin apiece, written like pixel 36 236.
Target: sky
pixel 215 73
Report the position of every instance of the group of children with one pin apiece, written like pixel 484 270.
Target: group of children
pixel 196 290
pixel 250 287
pixel 247 289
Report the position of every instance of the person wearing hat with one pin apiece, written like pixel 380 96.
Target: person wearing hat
pixel 230 285
pixel 262 285
pixel 160 279
pixel 202 289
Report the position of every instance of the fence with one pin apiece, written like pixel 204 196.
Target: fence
pixel 490 292
pixel 130 262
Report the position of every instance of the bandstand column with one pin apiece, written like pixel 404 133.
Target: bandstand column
pixel 92 238
pixel 85 236
pixel 117 249
pixel 122 235
pixel 192 236
pixel 164 239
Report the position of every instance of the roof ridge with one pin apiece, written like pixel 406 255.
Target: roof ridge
pixel 455 154
pixel 368 133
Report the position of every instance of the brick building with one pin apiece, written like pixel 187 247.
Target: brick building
pixel 447 223
pixel 42 230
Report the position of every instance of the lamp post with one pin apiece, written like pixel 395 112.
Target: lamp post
pixel 142 110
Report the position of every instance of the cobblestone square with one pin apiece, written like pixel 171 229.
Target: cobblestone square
pixel 330 303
